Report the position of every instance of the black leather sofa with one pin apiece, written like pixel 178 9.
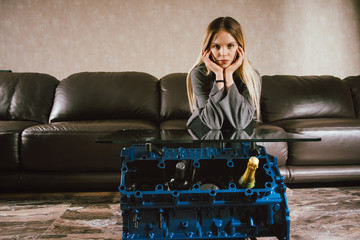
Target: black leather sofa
pixel 48 127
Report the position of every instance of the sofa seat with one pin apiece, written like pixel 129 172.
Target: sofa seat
pixel 335 158
pixel 65 156
pixel 315 174
pixel 174 124
pixel 10 132
pixel 72 147
pixel 10 167
pixel 69 181
pixel 340 141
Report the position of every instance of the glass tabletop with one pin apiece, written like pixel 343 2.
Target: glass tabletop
pixel 212 136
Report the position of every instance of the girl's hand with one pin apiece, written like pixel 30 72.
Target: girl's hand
pixel 229 71
pixel 238 62
pixel 211 65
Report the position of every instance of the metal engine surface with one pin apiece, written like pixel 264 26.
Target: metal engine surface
pixel 214 206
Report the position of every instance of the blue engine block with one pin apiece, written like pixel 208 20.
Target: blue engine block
pixel 151 210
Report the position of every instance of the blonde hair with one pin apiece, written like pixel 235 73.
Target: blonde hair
pixel 246 71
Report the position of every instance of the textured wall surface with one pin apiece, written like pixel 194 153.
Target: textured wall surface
pixel 301 37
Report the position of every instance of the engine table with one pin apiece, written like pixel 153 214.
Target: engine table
pixel 178 185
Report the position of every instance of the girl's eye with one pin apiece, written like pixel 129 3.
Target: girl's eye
pixel 217 47
pixel 231 45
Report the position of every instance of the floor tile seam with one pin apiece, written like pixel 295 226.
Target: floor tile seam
pixel 70 202
pixel 42 234
pixel 309 235
pixel 340 212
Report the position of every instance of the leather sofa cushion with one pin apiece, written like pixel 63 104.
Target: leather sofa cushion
pixel 26 96
pixel 10 181
pixel 276 149
pixel 340 141
pixel 295 97
pixel 174 124
pixel 10 134
pixel 71 181
pixel 72 147
pixel 106 95
pixel 354 84
pixel 174 101
pixel 9 151
pixel 311 174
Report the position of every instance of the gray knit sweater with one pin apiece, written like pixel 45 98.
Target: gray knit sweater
pixel 218 108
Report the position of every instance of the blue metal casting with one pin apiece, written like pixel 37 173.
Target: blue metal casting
pixel 213 207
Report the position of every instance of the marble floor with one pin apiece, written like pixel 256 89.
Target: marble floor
pixel 328 213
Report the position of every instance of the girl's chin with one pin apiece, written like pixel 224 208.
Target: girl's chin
pixel 224 65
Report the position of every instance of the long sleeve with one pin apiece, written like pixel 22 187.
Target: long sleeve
pixel 238 107
pixel 208 97
pixel 214 106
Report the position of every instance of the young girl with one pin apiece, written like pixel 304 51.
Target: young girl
pixel 223 87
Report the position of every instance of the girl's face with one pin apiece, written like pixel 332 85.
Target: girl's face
pixel 223 49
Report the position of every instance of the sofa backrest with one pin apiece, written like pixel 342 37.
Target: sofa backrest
pixel 173 95
pixel 291 97
pixel 354 84
pixel 106 95
pixel 26 96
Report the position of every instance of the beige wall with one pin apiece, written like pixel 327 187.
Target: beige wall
pixel 62 37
